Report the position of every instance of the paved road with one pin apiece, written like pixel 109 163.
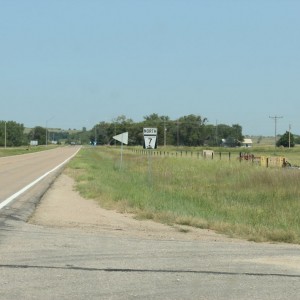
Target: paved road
pixel 16 172
pixel 50 263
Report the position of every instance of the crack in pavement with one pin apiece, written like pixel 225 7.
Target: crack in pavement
pixel 128 270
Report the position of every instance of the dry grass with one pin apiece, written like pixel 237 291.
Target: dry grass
pixel 238 199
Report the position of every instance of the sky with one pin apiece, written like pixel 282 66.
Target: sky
pixel 74 63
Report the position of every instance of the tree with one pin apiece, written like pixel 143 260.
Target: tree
pixel 286 140
pixel 102 132
pixel 237 133
pixel 297 139
pixel 189 130
pixel 14 134
pixel 211 136
pixel 38 133
pixel 232 134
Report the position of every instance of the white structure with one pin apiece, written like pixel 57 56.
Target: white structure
pixel 247 143
pixel 208 154
pixel 34 143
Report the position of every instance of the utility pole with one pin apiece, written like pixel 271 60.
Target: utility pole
pixel 289 136
pixel 5 136
pixel 177 133
pixel 47 130
pixel 217 144
pixel 115 133
pixel 165 131
pixel 275 120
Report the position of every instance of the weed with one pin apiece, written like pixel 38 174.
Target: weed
pixel 238 199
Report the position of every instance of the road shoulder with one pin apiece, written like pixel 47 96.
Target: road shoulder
pixel 63 207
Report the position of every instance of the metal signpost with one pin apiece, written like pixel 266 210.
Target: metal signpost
pixel 150 142
pixel 123 138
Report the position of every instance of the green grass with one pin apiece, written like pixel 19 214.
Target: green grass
pixel 238 199
pixel 9 151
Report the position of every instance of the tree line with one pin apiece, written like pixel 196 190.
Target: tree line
pixel 191 130
pixel 13 134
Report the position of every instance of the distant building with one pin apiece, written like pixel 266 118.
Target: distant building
pixel 247 143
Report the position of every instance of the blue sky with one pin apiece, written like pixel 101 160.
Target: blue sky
pixel 73 63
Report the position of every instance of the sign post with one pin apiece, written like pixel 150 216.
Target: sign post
pixel 123 138
pixel 150 142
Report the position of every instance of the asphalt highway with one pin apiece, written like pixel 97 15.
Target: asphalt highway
pixel 17 172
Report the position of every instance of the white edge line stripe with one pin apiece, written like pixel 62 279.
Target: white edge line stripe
pixel 24 189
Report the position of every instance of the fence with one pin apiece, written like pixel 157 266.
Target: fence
pixel 274 161
pixel 206 154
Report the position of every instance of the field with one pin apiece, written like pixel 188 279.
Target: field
pixel 178 186
pixel 23 150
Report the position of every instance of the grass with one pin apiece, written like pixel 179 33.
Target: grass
pixel 238 199
pixel 9 151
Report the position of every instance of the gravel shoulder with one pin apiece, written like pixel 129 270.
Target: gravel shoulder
pixel 71 248
pixel 63 207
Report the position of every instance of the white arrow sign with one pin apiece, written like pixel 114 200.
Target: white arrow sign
pixel 123 138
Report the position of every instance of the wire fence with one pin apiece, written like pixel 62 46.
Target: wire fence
pixel 265 161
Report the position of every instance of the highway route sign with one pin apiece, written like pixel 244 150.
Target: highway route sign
pixel 150 137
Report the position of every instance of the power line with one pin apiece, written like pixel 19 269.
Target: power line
pixel 275 118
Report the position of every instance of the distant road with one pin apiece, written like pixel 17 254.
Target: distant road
pixel 18 173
